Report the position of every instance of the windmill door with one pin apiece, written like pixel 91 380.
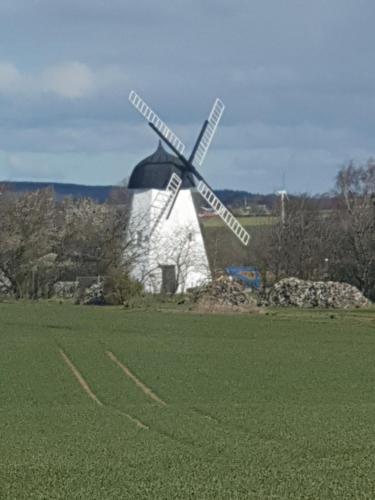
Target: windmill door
pixel 169 281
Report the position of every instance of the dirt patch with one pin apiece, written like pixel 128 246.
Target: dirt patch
pixel 135 379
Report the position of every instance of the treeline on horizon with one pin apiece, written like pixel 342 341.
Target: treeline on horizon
pixel 101 194
pixel 45 239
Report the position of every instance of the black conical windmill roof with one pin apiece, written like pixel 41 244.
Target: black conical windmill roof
pixel 155 171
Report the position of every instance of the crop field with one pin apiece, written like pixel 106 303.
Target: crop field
pixel 103 403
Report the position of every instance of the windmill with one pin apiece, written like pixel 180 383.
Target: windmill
pixel 172 197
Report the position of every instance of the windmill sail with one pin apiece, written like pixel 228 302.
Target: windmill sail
pixel 209 132
pixel 224 213
pixel 205 137
pixel 165 199
pixel 153 118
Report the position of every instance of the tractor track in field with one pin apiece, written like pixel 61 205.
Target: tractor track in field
pixel 149 392
pixel 206 416
pixel 213 421
pixel 82 382
pixel 85 386
pixel 144 388
pixel 135 421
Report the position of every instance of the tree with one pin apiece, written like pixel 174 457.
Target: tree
pixel 355 226
pixel 90 237
pixel 28 233
pixel 44 241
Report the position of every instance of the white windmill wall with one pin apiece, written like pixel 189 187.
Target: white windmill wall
pixel 138 232
pixel 174 241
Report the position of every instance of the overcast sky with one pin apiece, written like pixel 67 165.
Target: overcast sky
pixel 297 78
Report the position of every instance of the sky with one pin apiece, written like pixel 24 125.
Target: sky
pixel 297 78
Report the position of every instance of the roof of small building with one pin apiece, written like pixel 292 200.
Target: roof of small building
pixel 155 171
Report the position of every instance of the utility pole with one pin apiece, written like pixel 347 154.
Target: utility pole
pixel 283 194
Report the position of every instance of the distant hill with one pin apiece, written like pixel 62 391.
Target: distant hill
pixel 230 197
pixel 98 193
pixel 101 193
pixel 241 198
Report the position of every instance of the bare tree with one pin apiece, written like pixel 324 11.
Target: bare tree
pixel 44 241
pixel 28 234
pixel 355 226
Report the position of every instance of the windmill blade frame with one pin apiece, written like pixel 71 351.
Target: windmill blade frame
pixel 189 165
pixel 202 143
pixel 144 109
pixel 223 212
pixel 164 201
pixel 207 133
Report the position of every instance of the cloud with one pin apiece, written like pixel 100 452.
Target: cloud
pixel 71 80
pixel 9 77
pixel 297 79
pixel 265 76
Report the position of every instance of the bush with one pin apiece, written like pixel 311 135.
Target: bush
pixel 119 288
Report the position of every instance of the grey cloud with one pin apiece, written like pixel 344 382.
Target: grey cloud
pixel 296 76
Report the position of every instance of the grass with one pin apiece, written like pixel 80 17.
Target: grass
pixel 245 221
pixel 273 406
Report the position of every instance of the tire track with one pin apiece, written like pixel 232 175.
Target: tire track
pixel 205 415
pixel 85 386
pixel 146 390
pixel 135 421
pixel 82 382
pixel 211 420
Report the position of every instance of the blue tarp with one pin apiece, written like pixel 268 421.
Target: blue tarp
pixel 250 276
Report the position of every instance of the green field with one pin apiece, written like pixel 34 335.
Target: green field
pixel 263 406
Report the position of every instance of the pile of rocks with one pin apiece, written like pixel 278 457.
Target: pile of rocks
pixel 94 295
pixel 322 294
pixel 224 293
pixel 89 291
pixel 5 286
pixel 65 289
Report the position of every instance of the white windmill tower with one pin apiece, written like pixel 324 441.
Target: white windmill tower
pixel 167 246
